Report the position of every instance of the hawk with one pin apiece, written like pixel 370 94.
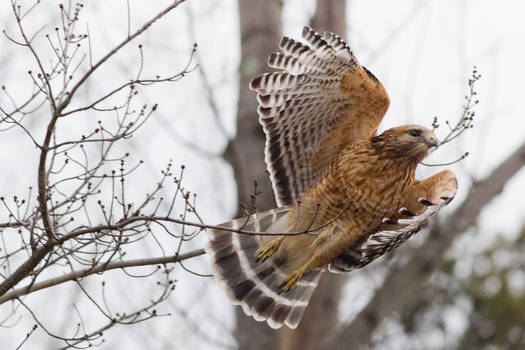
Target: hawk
pixel 345 195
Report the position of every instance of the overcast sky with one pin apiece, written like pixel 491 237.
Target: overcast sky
pixel 422 51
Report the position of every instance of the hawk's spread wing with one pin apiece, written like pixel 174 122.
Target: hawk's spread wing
pixel 398 231
pixel 319 102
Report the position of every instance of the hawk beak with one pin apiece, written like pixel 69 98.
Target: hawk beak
pixel 432 142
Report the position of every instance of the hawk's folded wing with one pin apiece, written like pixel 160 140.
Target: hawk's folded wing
pixel 395 232
pixel 319 102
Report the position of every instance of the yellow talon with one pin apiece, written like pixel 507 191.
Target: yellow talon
pixel 290 281
pixel 269 249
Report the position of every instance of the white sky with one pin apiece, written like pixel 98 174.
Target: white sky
pixel 422 51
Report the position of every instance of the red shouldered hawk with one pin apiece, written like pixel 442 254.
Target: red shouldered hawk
pixel 330 173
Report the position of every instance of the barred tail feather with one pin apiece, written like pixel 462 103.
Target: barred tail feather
pixel 255 285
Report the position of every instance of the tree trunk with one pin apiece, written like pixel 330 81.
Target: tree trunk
pixel 330 15
pixel 320 318
pixel 261 27
pixel 261 30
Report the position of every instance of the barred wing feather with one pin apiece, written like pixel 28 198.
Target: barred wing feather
pixel 320 101
pixel 384 241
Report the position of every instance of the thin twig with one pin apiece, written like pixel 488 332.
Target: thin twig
pixel 159 15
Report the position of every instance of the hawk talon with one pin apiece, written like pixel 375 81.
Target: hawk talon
pixel 425 201
pixel 281 289
pixel 405 211
pixel 269 250
pixel 290 281
pixel 447 199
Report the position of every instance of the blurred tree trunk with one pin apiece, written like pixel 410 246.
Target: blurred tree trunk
pixel 330 15
pixel 261 31
pixel 320 318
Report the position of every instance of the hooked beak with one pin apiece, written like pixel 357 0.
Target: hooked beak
pixel 432 142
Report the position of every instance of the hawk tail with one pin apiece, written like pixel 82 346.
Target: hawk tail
pixel 252 284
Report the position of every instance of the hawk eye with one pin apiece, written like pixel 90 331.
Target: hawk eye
pixel 414 132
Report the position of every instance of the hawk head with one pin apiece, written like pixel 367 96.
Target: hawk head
pixel 413 142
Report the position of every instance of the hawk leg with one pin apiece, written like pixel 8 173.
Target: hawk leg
pixel 314 262
pixel 328 245
pixel 269 249
pixel 290 280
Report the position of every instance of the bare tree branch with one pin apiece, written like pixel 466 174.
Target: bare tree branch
pixel 115 50
pixel 42 179
pixel 74 275
pixel 81 217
